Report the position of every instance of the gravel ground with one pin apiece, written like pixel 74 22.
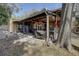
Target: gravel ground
pixel 13 44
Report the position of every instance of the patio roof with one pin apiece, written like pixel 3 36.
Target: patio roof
pixel 50 12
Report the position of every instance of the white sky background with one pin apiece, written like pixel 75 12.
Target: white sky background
pixel 39 1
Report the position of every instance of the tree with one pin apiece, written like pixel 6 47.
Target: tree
pixel 6 11
pixel 77 15
pixel 64 36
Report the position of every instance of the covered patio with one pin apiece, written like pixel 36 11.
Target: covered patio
pixel 42 24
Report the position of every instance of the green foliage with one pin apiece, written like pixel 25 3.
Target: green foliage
pixel 5 13
pixel 77 22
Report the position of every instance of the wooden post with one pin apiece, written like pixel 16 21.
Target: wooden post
pixel 11 25
pixel 23 27
pixel 47 40
pixel 55 29
pixel 56 20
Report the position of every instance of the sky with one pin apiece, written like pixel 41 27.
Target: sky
pixel 27 7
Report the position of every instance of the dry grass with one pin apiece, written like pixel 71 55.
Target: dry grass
pixel 35 50
pixel 41 51
pixel 39 48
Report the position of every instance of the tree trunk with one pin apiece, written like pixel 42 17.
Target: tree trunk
pixel 64 36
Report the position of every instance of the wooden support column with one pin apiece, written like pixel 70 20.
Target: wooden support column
pixel 11 25
pixel 47 40
pixel 23 28
pixel 56 21
pixel 55 29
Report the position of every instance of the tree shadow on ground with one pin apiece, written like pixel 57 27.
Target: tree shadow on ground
pixel 75 47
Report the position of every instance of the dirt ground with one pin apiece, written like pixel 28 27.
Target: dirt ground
pixel 30 46
pixel 75 43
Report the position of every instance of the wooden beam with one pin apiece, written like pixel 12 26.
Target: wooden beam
pixel 34 19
